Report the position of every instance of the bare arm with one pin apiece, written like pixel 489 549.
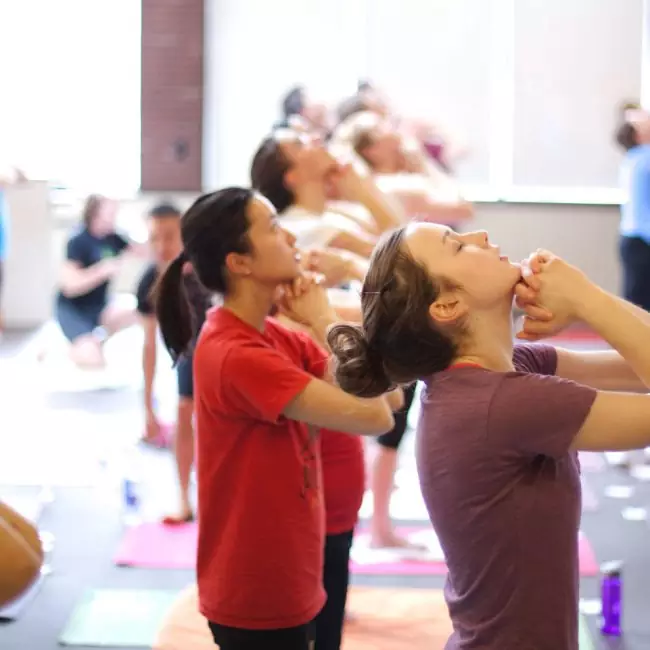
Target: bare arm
pixel 323 405
pixel 625 327
pixel 394 398
pixel 357 243
pixel 385 209
pixel 616 422
pixel 368 224
pixel 604 369
pixel 425 206
pixel 601 369
pixel 149 325
pixel 77 281
pixel 139 249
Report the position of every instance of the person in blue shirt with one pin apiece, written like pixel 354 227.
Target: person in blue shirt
pixel 94 256
pixel 8 177
pixel 633 135
pixel 4 225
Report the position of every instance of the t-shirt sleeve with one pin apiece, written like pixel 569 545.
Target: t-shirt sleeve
pixel 534 414
pixel 310 232
pixel 315 358
pixel 78 250
pixel 261 382
pixel 143 293
pixel 538 358
pixel 119 243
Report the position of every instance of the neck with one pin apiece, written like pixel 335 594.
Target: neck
pixel 93 231
pixel 491 342
pixel 251 302
pixel 311 197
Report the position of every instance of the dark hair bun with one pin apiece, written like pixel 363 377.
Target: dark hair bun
pixel 358 369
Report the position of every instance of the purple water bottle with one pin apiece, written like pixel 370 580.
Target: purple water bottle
pixel 611 588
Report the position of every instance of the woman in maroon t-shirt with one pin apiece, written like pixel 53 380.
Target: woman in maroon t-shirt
pixel 500 425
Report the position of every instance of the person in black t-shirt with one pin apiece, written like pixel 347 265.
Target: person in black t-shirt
pixel 94 256
pixel 165 243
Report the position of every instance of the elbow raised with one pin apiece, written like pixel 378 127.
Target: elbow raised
pixel 383 424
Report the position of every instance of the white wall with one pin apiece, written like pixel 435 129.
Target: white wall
pixel 531 86
pixel 256 50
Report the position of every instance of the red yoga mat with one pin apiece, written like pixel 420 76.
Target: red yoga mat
pixel 154 546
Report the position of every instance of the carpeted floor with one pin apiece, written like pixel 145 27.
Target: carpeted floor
pixel 78 441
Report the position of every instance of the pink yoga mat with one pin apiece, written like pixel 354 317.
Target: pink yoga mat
pixel 409 567
pixel 155 546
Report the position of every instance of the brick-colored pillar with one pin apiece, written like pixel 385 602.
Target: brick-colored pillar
pixel 172 94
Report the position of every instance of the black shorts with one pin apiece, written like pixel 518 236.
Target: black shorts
pixel 77 321
pixel 232 638
pixel 184 376
pixel 393 438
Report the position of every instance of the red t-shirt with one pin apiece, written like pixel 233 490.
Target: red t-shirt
pixel 261 515
pixel 344 479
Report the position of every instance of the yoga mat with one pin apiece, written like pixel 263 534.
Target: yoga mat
pixel 13 610
pixel 415 619
pixel 118 618
pixel 368 561
pixel 154 546
pixel 381 619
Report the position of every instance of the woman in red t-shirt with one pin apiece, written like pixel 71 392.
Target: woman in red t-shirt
pixel 258 387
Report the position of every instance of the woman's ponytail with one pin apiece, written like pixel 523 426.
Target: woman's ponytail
pixel 173 309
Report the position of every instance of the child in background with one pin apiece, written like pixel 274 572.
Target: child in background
pixel 164 225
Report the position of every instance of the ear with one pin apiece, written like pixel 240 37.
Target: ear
pixel 290 178
pixel 238 264
pixel 448 308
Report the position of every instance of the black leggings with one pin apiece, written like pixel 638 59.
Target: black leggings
pixel 393 438
pixel 635 258
pixel 233 638
pixel 336 578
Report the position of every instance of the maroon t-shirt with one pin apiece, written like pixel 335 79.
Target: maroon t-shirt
pixel 503 493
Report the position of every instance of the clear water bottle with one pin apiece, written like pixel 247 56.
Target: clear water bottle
pixel 611 597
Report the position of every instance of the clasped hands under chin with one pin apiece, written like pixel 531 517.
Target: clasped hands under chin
pixel 538 321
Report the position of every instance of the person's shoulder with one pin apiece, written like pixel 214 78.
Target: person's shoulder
pixel 79 234
pixel 638 158
pixel 223 331
pixel 149 276
pixel 461 385
pixel 281 334
pixel 537 358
